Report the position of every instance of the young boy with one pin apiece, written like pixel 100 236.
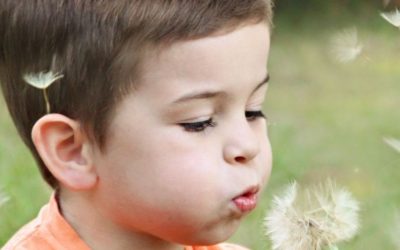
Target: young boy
pixel 151 133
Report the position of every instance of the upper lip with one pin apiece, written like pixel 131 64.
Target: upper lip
pixel 251 190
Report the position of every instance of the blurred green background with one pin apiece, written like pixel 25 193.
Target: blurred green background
pixel 327 119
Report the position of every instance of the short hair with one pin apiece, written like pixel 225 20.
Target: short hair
pixel 86 41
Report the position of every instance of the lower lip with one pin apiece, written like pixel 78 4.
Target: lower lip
pixel 246 203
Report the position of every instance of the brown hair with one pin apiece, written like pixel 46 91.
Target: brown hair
pixel 86 41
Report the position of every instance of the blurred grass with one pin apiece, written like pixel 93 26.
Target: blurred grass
pixel 19 179
pixel 327 120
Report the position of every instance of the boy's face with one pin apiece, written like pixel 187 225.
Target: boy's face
pixel 188 149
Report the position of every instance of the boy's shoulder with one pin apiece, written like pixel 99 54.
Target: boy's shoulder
pixel 48 231
pixel 28 237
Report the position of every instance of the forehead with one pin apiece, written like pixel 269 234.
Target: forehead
pixel 214 62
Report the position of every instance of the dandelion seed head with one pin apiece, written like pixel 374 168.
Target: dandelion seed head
pixel 345 45
pixel 42 80
pixel 312 219
pixel 392 17
pixel 394 143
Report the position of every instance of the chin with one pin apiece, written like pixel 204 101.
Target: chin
pixel 217 235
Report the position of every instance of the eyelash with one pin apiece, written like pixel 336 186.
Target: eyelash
pixel 202 125
pixel 198 126
pixel 253 115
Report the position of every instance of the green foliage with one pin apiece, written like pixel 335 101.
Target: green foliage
pixel 19 179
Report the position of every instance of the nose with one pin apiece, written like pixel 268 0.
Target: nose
pixel 242 144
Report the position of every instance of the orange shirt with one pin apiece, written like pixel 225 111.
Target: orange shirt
pixel 50 231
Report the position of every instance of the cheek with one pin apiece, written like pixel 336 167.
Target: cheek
pixel 185 165
pixel 165 180
pixel 169 161
pixel 182 166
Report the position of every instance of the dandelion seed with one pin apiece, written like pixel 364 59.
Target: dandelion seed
pixel 345 45
pixel 394 143
pixel 3 199
pixel 312 220
pixel 392 17
pixel 43 80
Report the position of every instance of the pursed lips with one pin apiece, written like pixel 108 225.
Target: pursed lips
pixel 246 201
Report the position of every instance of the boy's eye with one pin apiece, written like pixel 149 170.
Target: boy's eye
pixel 198 126
pixel 202 125
pixel 253 115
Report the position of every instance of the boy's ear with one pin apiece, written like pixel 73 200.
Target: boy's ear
pixel 65 150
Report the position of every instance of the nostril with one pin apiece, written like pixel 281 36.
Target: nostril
pixel 240 159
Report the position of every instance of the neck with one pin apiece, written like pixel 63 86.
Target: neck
pixel 99 233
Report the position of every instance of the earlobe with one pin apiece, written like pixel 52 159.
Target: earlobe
pixel 65 150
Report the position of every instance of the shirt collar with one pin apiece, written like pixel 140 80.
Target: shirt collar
pixel 59 228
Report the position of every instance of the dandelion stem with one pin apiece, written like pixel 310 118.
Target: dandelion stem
pixel 46 99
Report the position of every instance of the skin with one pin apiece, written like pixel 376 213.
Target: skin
pixel 160 184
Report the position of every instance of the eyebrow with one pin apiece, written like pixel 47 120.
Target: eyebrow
pixel 211 94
